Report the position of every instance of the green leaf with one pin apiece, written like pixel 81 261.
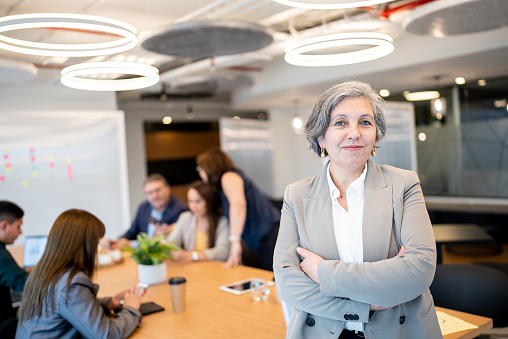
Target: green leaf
pixel 151 251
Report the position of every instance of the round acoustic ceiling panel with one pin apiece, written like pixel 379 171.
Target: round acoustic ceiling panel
pixel 443 18
pixel 222 83
pixel 207 38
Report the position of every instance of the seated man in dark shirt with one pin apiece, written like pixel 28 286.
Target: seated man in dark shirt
pixel 158 214
pixel 11 275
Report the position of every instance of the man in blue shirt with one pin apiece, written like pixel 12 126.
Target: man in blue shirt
pixel 11 275
pixel 158 214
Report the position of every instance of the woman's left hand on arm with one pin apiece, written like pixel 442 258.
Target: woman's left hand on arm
pixel 310 263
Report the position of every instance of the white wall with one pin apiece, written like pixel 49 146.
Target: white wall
pixel 293 160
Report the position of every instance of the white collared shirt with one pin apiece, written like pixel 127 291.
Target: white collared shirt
pixel 347 225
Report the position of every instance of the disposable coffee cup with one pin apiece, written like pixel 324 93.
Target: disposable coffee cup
pixel 177 292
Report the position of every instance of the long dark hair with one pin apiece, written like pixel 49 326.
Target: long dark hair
pixel 212 208
pixel 72 246
pixel 215 163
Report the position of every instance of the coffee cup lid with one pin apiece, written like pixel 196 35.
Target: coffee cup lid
pixel 176 280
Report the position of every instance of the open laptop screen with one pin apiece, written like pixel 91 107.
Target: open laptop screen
pixel 34 247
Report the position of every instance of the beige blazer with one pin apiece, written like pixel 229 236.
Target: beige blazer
pixel 394 215
pixel 184 235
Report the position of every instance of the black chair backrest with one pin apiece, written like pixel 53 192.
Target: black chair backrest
pixel 473 289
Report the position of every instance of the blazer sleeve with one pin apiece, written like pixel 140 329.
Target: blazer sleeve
pixel 136 227
pixel 396 280
pixel 294 286
pixel 80 300
pixel 221 249
pixel 177 234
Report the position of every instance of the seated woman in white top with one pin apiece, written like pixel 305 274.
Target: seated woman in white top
pixel 202 231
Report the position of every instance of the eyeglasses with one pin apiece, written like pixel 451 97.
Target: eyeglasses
pixel 198 169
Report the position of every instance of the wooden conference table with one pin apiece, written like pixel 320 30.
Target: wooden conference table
pixel 212 313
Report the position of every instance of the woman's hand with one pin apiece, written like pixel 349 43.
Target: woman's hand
pixel 115 302
pixel 235 255
pixel 133 296
pixel 182 256
pixel 310 263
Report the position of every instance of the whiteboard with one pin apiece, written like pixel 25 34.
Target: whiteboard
pixel 51 161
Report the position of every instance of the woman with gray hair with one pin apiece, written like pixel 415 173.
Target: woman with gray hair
pixel 355 255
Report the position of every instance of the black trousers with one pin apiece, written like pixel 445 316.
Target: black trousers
pixel 263 257
pixel 346 334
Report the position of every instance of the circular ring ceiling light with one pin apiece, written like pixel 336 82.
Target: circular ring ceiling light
pixel 75 76
pixel 329 4
pixel 126 32
pixel 298 54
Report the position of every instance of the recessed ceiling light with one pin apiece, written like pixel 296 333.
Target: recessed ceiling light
pixel 167 120
pixel 482 82
pixel 297 122
pixel 460 80
pixel 384 93
pixel 419 96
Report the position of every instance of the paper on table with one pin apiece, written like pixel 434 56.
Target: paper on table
pixel 450 324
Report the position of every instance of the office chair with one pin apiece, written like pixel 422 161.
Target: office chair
pixel 473 289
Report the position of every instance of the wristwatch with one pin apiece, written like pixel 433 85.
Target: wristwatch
pixel 195 256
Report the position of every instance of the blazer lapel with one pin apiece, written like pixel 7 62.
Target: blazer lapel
pixel 377 215
pixel 318 218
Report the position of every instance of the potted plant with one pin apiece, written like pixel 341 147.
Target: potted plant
pixel 149 255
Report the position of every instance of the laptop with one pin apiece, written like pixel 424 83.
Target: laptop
pixel 34 247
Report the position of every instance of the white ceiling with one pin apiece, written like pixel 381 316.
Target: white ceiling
pixel 413 65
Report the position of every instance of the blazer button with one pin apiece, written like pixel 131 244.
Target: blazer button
pixel 346 316
pixel 402 319
pixel 356 317
pixel 311 322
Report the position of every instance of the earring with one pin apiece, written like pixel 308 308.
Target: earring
pixel 373 152
pixel 323 154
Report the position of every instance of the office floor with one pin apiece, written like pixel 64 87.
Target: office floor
pixel 478 253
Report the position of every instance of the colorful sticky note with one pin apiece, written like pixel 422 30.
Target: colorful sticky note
pixel 50 156
pixel 69 160
pixel 8 170
pixel 69 172
pixel 32 159
pixel 51 164
pixel 24 183
pixel 6 150
pixel 34 173
pixel 2 178
pixel 31 149
pixel 6 156
pixel 8 165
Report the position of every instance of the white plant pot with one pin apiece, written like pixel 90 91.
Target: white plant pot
pixel 152 274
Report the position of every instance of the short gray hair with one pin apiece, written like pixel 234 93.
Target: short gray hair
pixel 156 177
pixel 319 118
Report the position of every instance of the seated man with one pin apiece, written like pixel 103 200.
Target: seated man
pixel 158 214
pixel 11 275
